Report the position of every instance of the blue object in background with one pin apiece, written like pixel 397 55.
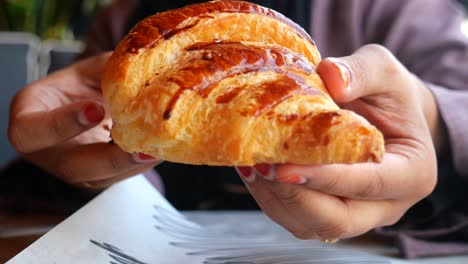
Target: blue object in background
pixel 18 67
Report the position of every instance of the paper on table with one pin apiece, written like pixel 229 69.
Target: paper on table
pixel 131 223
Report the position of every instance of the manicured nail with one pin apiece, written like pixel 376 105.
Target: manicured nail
pixel 143 158
pixel 267 171
pixel 293 179
pixel 247 173
pixel 344 70
pixel 91 114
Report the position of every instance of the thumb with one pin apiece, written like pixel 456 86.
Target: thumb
pixel 30 132
pixel 371 70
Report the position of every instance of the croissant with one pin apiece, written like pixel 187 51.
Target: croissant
pixel 229 83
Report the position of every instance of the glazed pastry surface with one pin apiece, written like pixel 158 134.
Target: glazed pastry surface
pixel 229 83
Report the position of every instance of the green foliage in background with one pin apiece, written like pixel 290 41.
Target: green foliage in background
pixel 49 19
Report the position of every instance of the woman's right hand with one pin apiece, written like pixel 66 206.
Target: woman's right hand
pixel 61 124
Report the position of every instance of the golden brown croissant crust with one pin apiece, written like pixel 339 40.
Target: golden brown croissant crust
pixel 229 83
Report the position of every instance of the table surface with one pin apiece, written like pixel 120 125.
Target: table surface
pixel 240 222
pixel 251 223
pixel 17 232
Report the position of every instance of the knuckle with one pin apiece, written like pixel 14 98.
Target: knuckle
pixel 291 196
pixel 367 190
pixel 425 183
pixel 115 162
pixel 266 204
pixel 57 127
pixel 17 136
pixel 429 184
pixel 393 216
pixel 393 220
pixel 379 50
pixel 335 230
pixel 331 183
pixel 303 234
pixel 392 212
pixel 359 69
pixel 97 185
pixel 391 66
pixel 65 171
pixel 376 48
pixel 372 187
pixel 392 69
pixel 16 140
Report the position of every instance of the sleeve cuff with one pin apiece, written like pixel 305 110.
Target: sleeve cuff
pixel 453 107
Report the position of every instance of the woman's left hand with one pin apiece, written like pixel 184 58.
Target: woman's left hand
pixel 337 201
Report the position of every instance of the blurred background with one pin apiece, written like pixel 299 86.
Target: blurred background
pixel 36 38
pixel 49 19
pixel 40 36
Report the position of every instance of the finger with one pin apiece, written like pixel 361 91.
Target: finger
pixel 314 214
pixel 246 173
pixel 386 180
pixel 367 215
pixel 310 214
pixel 100 161
pixel 269 201
pixel 105 183
pixel 324 216
pixel 31 132
pixel 267 171
pixel 371 70
pixel 80 80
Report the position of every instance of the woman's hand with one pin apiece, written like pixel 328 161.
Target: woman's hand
pixel 60 123
pixel 341 201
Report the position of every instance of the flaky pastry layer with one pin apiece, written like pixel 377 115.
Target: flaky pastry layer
pixel 229 83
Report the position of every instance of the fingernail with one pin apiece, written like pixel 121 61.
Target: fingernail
pixel 344 70
pixel 143 158
pixel 293 179
pixel 247 173
pixel 91 114
pixel 267 171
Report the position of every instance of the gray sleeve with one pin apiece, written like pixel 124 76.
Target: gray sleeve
pixel 453 106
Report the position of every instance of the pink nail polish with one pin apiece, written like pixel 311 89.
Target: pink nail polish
pixel 143 158
pixel 91 114
pixel 247 173
pixel 344 71
pixel 265 170
pixel 293 179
